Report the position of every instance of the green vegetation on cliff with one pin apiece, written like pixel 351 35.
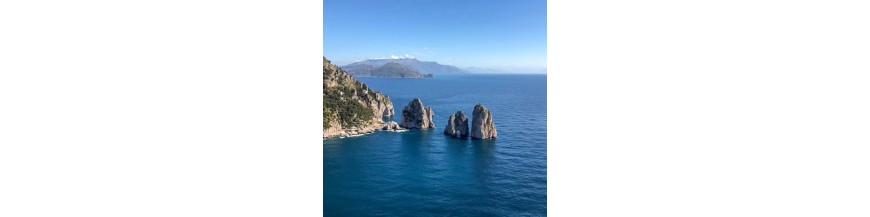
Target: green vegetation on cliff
pixel 350 113
pixel 348 101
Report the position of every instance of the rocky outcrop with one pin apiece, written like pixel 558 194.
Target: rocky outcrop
pixel 380 104
pixel 392 126
pixel 332 128
pixel 337 131
pixel 481 124
pixel 415 116
pixel 349 106
pixel 457 125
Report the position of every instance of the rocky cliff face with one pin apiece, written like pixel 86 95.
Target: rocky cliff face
pixel 481 124
pixel 457 125
pixel 349 106
pixel 415 116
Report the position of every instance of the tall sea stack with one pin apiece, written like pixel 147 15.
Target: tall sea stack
pixel 415 116
pixel 457 125
pixel 481 124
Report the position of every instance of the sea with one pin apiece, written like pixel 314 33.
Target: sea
pixel 427 173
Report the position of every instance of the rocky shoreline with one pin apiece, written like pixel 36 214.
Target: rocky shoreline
pixel 391 126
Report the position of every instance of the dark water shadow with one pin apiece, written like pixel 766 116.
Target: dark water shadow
pixel 413 140
pixel 456 144
pixel 415 145
pixel 483 158
pixel 458 158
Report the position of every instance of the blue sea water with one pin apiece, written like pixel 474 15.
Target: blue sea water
pixel 426 173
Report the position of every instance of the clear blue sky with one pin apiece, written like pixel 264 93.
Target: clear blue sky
pixel 502 34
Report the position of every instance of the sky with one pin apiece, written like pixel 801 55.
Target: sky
pixel 506 35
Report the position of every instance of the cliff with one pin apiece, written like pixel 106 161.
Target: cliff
pixel 349 106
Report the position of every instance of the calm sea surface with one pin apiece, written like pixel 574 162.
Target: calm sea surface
pixel 425 173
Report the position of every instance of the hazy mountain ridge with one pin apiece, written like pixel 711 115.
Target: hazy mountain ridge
pixel 388 70
pixel 423 67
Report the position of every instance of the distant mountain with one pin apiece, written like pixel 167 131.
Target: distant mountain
pixel 423 67
pixel 360 70
pixel 388 70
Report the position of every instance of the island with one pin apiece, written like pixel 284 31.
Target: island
pixel 389 70
pixel 400 68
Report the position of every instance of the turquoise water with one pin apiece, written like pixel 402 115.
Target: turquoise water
pixel 425 173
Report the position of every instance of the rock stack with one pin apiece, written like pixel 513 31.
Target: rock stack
pixel 457 125
pixel 481 124
pixel 415 116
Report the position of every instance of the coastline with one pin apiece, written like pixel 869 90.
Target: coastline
pixel 354 132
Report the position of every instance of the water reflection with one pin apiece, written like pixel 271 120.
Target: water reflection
pixel 458 159
pixel 482 153
pixel 456 146
pixel 414 148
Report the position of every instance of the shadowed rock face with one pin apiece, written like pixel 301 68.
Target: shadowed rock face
pixel 457 125
pixel 481 124
pixel 415 116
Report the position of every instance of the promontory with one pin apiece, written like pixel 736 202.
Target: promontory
pixel 350 107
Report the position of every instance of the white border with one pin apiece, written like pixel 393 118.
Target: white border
pixel 708 108
pixel 160 108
